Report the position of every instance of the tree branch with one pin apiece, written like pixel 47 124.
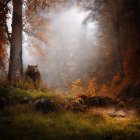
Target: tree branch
pixel 5 4
pixel 7 32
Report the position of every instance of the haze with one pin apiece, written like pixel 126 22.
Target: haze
pixel 72 42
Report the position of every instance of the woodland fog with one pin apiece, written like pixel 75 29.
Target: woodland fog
pixel 69 69
pixel 71 44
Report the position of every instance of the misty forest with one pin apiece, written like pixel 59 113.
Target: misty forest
pixel 69 69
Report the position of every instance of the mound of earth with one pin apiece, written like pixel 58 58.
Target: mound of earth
pixel 83 104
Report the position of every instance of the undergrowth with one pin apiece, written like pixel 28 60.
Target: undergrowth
pixel 15 92
pixel 22 122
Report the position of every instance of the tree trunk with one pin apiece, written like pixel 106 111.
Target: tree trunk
pixel 117 28
pixel 136 9
pixel 16 64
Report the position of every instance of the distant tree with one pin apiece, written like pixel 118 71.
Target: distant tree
pixel 119 20
pixel 108 11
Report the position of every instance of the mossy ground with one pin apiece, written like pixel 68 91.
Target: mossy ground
pixel 22 122
pixel 15 92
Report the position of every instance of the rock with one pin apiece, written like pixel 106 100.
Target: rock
pixel 2 103
pixel 23 100
pixel 11 101
pixel 139 127
pixel 78 107
pixel 8 100
pixel 97 101
pixel 7 122
pixel 84 97
pixel 45 104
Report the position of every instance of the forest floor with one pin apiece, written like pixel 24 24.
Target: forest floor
pixel 41 115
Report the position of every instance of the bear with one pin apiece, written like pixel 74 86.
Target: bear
pixel 33 73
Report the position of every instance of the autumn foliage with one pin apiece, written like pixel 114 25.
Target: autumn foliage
pixel 3 36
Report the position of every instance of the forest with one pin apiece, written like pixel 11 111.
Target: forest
pixel 69 69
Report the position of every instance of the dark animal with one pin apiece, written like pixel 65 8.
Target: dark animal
pixel 33 73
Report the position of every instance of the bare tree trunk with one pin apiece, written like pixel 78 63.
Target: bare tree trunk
pixel 118 44
pixel 16 64
pixel 136 9
pixel 116 22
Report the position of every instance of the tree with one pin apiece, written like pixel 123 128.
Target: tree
pixel 3 4
pixel 136 11
pixel 15 38
pixel 109 11
pixel 16 63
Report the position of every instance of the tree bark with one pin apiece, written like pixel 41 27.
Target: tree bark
pixel 5 4
pixel 136 9
pixel 16 63
pixel 118 45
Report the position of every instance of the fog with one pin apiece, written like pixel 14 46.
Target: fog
pixel 71 45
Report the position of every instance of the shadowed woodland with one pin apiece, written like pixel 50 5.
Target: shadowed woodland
pixel 69 69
